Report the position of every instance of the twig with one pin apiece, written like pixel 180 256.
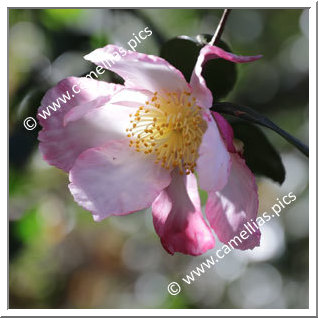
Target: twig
pixel 220 28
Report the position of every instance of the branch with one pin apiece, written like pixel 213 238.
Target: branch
pixel 219 30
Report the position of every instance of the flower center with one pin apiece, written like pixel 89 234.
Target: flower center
pixel 169 125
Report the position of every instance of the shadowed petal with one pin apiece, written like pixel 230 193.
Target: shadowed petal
pixel 114 179
pixel 197 82
pixel 139 70
pixel 87 124
pixel 236 204
pixel 178 219
pixel 60 147
pixel 226 131
pixel 213 164
pixel 88 90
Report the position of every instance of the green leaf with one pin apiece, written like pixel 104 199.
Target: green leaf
pixel 261 157
pixel 28 228
pixel 58 18
pixel 183 51
pixel 250 115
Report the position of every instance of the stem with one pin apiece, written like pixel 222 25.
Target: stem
pixel 220 28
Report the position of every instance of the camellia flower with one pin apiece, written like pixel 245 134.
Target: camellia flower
pixel 130 147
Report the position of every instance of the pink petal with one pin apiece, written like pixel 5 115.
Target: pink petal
pixel 226 131
pixel 61 146
pixel 89 90
pixel 236 204
pixel 87 124
pixel 115 179
pixel 213 164
pixel 178 219
pixel 131 97
pixel 139 70
pixel 207 53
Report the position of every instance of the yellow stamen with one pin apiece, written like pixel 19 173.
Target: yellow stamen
pixel 170 126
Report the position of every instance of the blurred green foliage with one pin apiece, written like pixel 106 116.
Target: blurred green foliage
pixel 57 19
pixel 61 258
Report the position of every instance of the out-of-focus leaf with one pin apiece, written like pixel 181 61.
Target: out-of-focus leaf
pixel 15 242
pixel 21 145
pixel 17 181
pixel 58 18
pixel 98 40
pixel 28 228
pixel 261 157
pixel 203 196
pixel 183 51
pixel 251 115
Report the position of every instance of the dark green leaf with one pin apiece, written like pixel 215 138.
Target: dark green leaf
pixel 251 115
pixel 261 157
pixel 183 51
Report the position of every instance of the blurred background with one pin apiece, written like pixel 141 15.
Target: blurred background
pixel 61 258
